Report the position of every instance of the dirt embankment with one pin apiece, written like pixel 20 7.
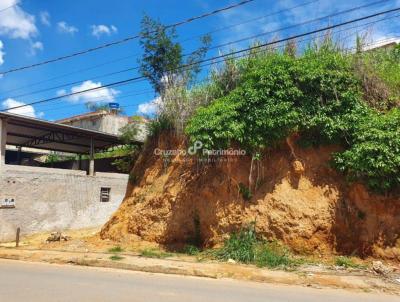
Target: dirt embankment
pixel 299 200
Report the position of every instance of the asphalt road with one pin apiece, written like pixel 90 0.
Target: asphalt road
pixel 23 281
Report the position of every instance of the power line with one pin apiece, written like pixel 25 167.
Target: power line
pixel 136 93
pixel 185 40
pixel 254 19
pixel 74 82
pixel 6 8
pixel 70 73
pixel 271 48
pixel 302 23
pixel 139 78
pixel 206 80
pixel 214 47
pixel 260 51
pixel 189 20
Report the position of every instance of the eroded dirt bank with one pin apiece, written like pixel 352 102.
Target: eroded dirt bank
pixel 299 200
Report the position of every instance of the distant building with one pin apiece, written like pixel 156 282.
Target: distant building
pixel 384 44
pixel 104 121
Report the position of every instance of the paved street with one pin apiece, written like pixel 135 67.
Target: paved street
pixel 23 281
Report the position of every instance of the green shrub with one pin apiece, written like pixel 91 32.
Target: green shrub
pixel 272 255
pixel 347 262
pixel 318 95
pixel 379 73
pixel 190 249
pixel 116 249
pixel 374 153
pixel 152 253
pixel 331 96
pixel 245 247
pixel 157 125
pixel 116 257
pixel 239 247
pixel 259 112
pixel 245 192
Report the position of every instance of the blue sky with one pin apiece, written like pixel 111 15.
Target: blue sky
pixel 32 31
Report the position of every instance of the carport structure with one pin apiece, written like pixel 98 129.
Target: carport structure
pixel 22 131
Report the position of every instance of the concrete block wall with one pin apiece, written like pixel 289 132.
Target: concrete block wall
pixel 49 199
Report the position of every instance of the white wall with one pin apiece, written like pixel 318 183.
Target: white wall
pixel 55 199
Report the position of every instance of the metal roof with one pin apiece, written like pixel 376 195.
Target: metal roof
pixel 31 132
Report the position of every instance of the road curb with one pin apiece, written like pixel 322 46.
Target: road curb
pixel 364 283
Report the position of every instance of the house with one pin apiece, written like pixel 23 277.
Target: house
pixel 103 121
pixel 107 121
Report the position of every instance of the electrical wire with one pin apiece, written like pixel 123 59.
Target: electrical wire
pixel 82 52
pixel 185 40
pixel 262 45
pixel 8 7
pixel 213 47
pixel 207 80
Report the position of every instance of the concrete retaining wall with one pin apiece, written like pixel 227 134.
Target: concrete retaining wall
pixel 55 199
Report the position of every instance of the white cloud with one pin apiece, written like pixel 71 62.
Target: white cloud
pixel 45 18
pixel 27 110
pixel 36 46
pixel 61 92
pixel 15 22
pixel 97 95
pixel 99 30
pixel 2 53
pixel 63 27
pixel 150 107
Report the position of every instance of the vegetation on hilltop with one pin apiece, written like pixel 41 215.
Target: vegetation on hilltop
pixel 324 94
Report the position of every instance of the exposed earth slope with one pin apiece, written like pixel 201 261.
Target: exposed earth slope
pixel 299 200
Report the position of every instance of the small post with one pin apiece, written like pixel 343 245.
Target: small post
pixel 80 162
pixel 19 155
pixel 17 237
pixel 91 158
pixel 3 141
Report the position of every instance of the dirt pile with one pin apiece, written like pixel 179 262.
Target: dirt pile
pixel 299 200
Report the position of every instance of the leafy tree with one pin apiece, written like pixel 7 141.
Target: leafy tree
pixel 161 54
pixel 169 71
pixel 130 132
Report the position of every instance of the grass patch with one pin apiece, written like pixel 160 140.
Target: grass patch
pixel 347 262
pixel 246 247
pixel 191 250
pixel 116 249
pixel 152 253
pixel 116 257
pixel 273 255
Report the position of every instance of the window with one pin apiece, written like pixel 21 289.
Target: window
pixel 7 203
pixel 105 194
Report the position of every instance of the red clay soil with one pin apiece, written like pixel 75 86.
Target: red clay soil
pixel 299 199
